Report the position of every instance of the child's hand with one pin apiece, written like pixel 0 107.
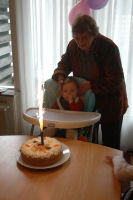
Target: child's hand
pixel 70 99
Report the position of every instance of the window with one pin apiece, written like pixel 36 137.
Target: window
pixel 6 64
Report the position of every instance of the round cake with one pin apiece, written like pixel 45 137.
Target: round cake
pixel 34 153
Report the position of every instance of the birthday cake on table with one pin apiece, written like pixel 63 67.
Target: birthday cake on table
pixel 34 153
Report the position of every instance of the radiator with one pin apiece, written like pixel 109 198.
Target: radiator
pixel 9 114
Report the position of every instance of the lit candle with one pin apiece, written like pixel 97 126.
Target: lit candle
pixel 41 99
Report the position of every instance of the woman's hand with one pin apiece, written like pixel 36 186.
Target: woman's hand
pixel 60 82
pixel 84 87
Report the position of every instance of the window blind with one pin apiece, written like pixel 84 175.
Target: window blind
pixel 6 64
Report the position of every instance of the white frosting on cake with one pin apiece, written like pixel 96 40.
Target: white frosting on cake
pixel 33 148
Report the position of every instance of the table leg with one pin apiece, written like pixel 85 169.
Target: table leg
pixel 32 130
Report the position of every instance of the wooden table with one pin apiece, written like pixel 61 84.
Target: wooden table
pixel 87 175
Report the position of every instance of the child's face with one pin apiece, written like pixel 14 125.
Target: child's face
pixel 69 90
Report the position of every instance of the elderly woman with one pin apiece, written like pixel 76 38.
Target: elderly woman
pixel 96 58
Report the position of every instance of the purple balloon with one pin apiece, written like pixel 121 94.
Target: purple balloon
pixel 79 8
pixel 96 4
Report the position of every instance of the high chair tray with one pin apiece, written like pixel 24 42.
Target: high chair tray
pixel 62 118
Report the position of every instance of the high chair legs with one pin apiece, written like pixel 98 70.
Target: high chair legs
pixel 95 133
pixel 72 133
pixel 91 133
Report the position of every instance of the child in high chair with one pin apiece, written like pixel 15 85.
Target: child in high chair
pixel 69 100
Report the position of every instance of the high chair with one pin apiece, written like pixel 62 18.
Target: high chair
pixel 63 118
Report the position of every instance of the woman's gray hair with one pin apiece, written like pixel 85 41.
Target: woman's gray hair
pixel 85 23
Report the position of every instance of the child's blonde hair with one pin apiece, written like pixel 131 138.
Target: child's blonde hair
pixel 70 79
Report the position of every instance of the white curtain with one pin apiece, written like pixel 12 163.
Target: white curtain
pixel 115 21
pixel 26 68
pixel 43 33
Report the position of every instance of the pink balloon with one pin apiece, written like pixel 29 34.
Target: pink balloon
pixel 96 4
pixel 79 8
